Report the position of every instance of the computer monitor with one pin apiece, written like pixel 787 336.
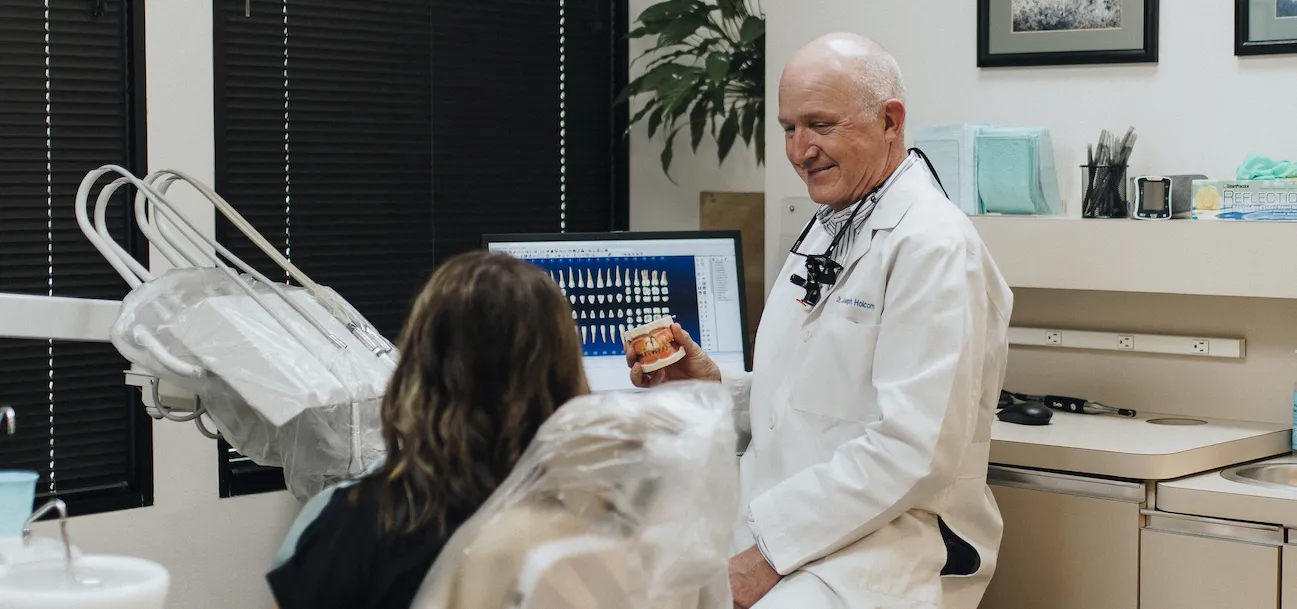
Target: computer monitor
pixel 695 277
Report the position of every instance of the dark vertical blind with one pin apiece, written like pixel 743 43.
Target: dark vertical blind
pixel 371 140
pixel 69 103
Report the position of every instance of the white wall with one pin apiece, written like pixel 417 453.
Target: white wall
pixel 655 202
pixel 217 550
pixel 1199 110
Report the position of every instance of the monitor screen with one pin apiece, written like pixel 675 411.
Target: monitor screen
pixel 616 281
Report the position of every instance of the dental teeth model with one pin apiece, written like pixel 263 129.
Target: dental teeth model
pixel 601 314
pixel 572 298
pixel 584 338
pixel 620 298
pixel 637 286
pixel 570 282
pixel 589 280
pixel 617 276
pixel 580 281
pixel 603 334
pixel 582 314
pixel 654 281
pixel 665 290
pixel 573 314
pixel 581 298
pixel 600 299
pixel 598 279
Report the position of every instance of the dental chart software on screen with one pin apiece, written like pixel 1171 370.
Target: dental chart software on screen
pixel 618 283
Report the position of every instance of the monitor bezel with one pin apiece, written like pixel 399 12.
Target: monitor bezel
pixel 736 235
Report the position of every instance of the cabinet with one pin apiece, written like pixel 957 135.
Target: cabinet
pixel 1070 542
pixel 1201 563
pixel 1289 592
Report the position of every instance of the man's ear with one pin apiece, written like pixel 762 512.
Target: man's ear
pixel 893 119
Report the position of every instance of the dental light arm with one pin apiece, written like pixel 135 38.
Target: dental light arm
pixel 291 376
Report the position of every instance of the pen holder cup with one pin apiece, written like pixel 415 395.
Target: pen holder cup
pixel 17 494
pixel 1103 191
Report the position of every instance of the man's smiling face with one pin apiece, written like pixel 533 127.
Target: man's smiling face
pixel 837 148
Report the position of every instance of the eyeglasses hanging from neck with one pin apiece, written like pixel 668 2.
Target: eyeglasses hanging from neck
pixel 822 269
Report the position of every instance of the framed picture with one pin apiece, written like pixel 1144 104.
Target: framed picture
pixel 1265 27
pixel 1061 32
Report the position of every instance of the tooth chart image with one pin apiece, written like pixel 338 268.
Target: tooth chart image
pixel 613 295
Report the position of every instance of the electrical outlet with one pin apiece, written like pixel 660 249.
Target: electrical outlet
pixel 1054 337
pixel 1200 347
pixel 1125 341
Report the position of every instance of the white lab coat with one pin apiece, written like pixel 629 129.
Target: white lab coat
pixel 870 414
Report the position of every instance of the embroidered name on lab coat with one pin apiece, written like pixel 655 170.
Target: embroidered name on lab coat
pixel 855 302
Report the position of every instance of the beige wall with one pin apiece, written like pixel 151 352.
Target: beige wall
pixel 1257 388
pixel 1200 110
pixel 655 202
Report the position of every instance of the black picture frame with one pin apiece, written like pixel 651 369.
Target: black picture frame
pixel 1243 44
pixel 1148 53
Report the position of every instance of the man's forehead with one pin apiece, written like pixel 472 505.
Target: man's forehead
pixel 801 100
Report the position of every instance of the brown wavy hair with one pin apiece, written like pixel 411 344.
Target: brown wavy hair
pixel 488 353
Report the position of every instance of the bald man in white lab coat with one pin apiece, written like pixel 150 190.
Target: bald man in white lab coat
pixel 879 360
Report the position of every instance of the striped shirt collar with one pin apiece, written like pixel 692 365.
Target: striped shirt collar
pixel 832 221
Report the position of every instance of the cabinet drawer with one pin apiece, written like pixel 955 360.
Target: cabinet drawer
pixel 1065 551
pixel 1289 591
pixel 1183 570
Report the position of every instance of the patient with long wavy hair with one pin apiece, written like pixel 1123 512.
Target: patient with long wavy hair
pixel 489 352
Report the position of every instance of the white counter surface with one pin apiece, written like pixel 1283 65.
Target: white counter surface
pixel 1134 448
pixel 1212 495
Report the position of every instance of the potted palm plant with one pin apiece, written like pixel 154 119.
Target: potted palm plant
pixel 707 71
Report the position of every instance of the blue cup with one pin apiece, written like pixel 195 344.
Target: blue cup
pixel 17 494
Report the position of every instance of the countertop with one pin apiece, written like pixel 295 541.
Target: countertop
pixel 1134 448
pixel 1212 495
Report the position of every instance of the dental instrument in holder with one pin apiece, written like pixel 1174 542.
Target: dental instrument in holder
pixel 1070 404
pixel 298 381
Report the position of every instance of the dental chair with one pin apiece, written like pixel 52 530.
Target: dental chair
pixel 622 501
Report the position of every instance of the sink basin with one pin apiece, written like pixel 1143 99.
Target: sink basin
pixel 1274 475
pixel 100 582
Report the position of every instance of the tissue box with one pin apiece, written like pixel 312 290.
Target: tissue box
pixel 952 150
pixel 1251 200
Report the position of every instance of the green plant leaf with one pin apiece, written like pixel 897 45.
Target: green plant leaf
pixel 726 139
pixel 753 28
pixel 749 121
pixel 639 115
pixel 681 28
pixel 655 119
pixel 667 152
pixel 664 12
pixel 669 57
pixel 718 67
pixel 731 9
pixel 697 122
pixel 653 80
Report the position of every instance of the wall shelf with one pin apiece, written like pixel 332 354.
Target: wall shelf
pixel 1247 259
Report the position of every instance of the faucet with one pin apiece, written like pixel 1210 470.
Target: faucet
pixel 54 505
pixel 8 419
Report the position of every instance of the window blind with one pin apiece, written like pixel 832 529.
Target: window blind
pixel 69 103
pixel 371 140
